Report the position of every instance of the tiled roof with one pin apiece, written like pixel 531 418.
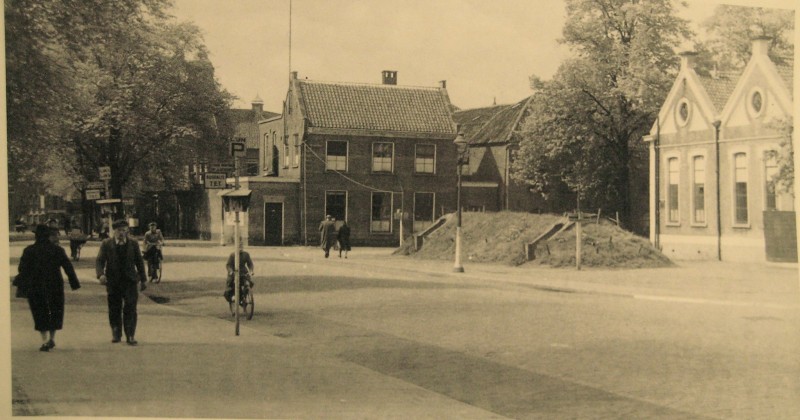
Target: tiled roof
pixel 496 128
pixel 246 125
pixel 390 108
pixel 470 121
pixel 719 89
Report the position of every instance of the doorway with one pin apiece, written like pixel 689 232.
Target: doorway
pixel 273 224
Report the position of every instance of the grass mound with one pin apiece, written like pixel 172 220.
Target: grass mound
pixel 501 238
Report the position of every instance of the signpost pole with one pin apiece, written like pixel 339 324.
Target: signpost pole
pixel 236 240
pixel 578 236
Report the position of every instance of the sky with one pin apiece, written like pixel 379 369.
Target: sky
pixel 485 50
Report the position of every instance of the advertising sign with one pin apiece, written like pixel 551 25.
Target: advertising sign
pixel 215 180
pixel 92 194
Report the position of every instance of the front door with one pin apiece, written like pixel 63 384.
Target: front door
pixel 273 223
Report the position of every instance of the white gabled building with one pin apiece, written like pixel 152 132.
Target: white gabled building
pixel 710 166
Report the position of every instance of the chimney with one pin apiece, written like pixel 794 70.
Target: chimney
pixel 443 84
pixel 761 45
pixel 258 105
pixel 688 59
pixel 389 77
pixel 293 75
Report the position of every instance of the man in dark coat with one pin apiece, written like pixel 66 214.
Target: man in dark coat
pixel 327 234
pixel 40 276
pixel 120 266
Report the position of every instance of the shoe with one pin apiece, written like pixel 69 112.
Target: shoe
pixel 131 342
pixel 51 344
pixel 116 336
pixel 44 347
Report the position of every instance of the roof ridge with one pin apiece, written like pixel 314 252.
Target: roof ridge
pixel 379 85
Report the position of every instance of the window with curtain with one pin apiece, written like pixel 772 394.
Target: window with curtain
pixel 698 189
pixel 381 215
pixel 382 157
pixel 770 170
pixel 423 210
pixel 673 179
pixel 740 188
pixel 336 155
pixel 425 159
pixel 336 204
pixel 296 161
pixel 286 152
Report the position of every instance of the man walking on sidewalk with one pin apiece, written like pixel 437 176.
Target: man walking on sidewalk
pixel 120 266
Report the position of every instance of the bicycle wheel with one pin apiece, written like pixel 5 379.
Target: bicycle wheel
pixel 159 270
pixel 249 304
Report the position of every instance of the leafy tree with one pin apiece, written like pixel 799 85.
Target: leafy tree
pixel 120 84
pixel 731 29
pixel 784 179
pixel 588 121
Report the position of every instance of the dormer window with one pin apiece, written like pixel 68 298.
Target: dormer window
pixel 755 102
pixel 684 110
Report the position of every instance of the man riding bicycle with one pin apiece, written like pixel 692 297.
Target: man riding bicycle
pixel 153 241
pixel 246 268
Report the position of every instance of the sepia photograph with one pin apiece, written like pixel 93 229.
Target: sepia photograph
pixel 399 209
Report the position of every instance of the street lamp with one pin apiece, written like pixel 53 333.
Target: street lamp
pixel 461 150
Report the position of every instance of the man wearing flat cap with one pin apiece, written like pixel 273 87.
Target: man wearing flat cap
pixel 120 267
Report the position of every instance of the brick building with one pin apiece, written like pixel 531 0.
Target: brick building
pixel 712 194
pixel 364 153
pixel 493 136
pixel 246 129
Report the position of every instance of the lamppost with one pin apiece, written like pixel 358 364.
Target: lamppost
pixel 462 151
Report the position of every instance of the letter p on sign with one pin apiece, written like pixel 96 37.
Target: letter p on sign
pixel 238 149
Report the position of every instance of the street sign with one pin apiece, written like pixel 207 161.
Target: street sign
pixel 238 149
pixel 92 194
pixel 215 180
pixel 220 167
pixel 105 172
pixel 95 185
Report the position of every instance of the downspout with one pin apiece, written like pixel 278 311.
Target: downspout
pixel 305 186
pixel 657 164
pixel 508 171
pixel 717 124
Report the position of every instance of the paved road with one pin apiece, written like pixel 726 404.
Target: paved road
pixel 376 336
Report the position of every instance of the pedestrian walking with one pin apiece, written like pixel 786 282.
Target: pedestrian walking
pixel 327 234
pixel 343 236
pixel 40 279
pixel 120 266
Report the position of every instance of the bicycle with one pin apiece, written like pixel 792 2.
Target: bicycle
pixel 246 299
pixel 76 241
pixel 155 263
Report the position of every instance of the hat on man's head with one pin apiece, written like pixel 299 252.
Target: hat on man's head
pixel 151 224
pixel 119 224
pixel 41 232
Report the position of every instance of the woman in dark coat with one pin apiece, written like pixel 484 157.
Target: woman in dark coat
pixel 40 276
pixel 343 236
